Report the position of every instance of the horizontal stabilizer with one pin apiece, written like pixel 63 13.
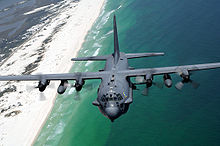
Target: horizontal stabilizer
pixel 91 58
pixel 139 55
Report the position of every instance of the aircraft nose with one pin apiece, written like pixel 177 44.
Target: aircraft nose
pixel 112 112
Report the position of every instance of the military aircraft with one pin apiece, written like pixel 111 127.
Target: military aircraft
pixel 115 91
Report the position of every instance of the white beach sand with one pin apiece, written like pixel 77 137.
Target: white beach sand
pixel 32 109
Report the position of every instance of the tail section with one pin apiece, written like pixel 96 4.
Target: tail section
pixel 116 53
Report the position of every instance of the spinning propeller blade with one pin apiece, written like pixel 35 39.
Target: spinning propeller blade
pixel 179 85
pixel 145 91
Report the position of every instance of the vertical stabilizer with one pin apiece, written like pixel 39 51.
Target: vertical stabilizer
pixel 116 46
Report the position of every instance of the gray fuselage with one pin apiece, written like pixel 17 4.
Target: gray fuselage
pixel 115 91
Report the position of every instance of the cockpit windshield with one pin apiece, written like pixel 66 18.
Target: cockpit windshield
pixel 111 97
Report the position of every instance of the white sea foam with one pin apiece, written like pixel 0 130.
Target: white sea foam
pixel 6 9
pixel 71 91
pixel 22 2
pixel 88 63
pixel 119 7
pixel 95 54
pixel 105 36
pixel 97 45
pixel 38 9
pixel 104 19
pixel 108 33
pixel 96 34
pixel 60 127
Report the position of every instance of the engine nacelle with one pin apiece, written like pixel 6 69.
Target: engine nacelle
pixel 186 76
pixel 79 84
pixel 167 80
pixel 149 80
pixel 78 87
pixel 62 87
pixel 42 85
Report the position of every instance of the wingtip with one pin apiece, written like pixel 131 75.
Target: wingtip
pixel 159 54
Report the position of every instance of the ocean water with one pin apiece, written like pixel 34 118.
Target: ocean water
pixel 188 32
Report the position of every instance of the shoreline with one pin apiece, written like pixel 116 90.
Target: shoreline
pixel 24 128
pixel 75 54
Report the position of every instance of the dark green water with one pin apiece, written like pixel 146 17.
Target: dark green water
pixel 188 32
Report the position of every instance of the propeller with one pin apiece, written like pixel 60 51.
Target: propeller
pixel 158 84
pixel 195 85
pixel 42 96
pixel 88 86
pixel 180 84
pixel 142 80
pixel 77 95
pixel 185 79
pixel 145 92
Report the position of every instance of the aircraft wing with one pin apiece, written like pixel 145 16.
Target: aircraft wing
pixel 65 76
pixel 100 75
pixel 168 70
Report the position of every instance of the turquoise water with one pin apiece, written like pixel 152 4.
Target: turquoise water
pixel 188 32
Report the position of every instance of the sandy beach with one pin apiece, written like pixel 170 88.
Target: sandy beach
pixel 24 109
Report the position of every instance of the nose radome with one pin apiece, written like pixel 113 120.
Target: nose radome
pixel 112 112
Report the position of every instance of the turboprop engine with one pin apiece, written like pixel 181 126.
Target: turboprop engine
pixel 79 84
pixel 42 85
pixel 186 79
pixel 149 80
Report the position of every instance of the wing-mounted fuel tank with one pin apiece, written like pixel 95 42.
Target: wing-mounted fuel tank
pixel 62 87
